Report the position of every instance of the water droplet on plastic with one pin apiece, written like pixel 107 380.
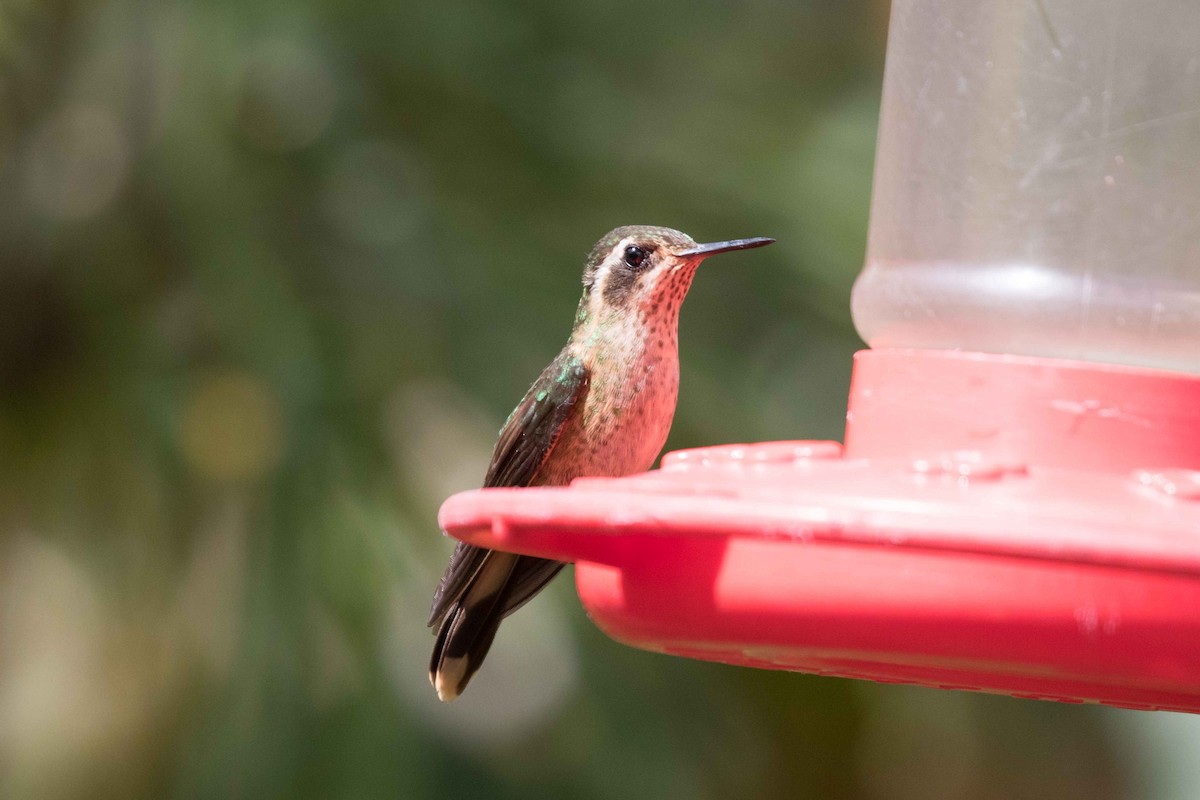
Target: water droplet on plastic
pixel 969 465
pixel 1181 483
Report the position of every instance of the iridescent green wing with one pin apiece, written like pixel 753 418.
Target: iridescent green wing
pixel 534 426
pixel 525 442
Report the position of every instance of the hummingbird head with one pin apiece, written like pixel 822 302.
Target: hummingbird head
pixel 646 270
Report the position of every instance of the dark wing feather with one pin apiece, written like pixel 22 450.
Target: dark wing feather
pixel 535 425
pixel 524 443
pixel 529 577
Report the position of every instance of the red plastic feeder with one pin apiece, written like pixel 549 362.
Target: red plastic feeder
pixel 950 545
pixel 1026 524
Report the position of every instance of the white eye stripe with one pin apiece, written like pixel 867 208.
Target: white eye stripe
pixel 615 258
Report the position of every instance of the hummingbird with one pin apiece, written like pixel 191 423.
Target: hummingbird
pixel 602 408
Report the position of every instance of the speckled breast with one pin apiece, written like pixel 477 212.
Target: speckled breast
pixel 624 421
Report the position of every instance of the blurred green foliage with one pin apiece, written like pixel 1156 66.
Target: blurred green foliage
pixel 271 275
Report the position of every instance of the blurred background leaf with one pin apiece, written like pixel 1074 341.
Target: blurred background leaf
pixel 271 276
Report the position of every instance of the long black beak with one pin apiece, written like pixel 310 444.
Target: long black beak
pixel 725 247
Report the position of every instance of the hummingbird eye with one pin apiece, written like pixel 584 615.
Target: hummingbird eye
pixel 635 256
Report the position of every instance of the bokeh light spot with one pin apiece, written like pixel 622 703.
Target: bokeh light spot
pixel 231 427
pixel 77 162
pixel 71 697
pixel 288 96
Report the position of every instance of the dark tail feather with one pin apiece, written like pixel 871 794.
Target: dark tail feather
pixel 469 627
pixel 455 658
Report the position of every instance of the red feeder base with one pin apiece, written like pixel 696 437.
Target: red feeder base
pixel 1013 525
